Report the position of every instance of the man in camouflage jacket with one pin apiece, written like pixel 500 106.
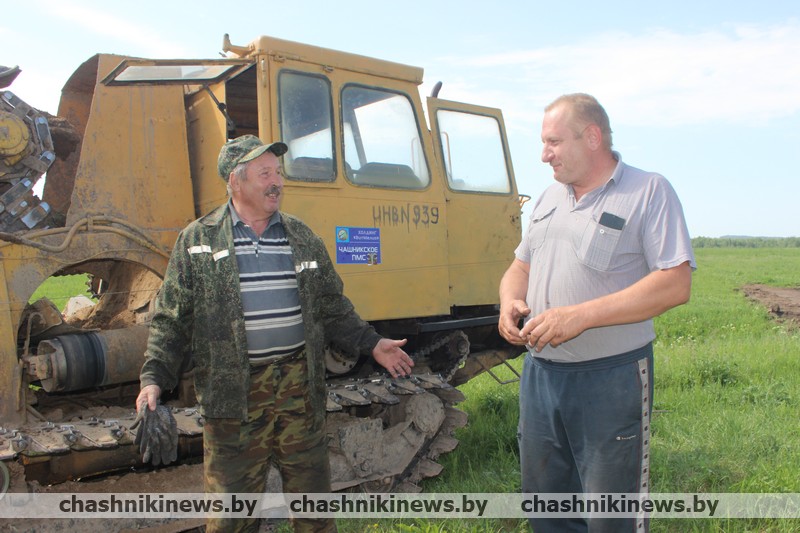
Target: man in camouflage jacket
pixel 200 295
pixel 199 316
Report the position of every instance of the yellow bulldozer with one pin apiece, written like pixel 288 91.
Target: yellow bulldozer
pixel 416 202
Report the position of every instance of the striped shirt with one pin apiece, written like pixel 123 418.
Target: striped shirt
pixel 268 284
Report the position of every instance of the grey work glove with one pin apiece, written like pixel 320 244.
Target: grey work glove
pixel 157 436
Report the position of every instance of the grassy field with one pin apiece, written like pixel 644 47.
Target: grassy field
pixel 60 289
pixel 727 404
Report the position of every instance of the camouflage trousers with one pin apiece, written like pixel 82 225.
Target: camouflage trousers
pixel 279 427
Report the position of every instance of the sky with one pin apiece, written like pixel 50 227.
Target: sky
pixel 706 93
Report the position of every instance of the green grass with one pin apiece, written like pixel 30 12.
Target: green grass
pixel 727 395
pixel 61 288
pixel 727 404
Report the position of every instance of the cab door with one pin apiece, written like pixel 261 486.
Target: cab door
pixel 483 208
pixel 357 172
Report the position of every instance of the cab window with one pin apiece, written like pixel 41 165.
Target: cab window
pixel 382 145
pixel 306 126
pixel 472 149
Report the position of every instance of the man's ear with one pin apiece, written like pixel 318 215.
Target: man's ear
pixel 594 136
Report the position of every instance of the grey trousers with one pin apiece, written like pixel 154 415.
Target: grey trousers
pixel 585 428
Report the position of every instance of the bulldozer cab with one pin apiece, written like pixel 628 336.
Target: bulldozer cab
pixel 400 205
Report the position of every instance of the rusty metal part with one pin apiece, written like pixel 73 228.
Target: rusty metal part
pixel 7 75
pixel 14 143
pixel 410 423
pixel 26 152
pixel 336 362
pixel 94 223
pixel 107 444
pixel 399 439
pixel 90 359
pixel 484 361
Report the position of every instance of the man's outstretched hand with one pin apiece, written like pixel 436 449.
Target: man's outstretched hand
pixel 390 355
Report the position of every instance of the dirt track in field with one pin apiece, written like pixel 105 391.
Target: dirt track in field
pixel 782 302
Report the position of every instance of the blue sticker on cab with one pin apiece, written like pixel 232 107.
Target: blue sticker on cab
pixel 358 246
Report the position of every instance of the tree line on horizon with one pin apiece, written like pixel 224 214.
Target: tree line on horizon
pixel 746 242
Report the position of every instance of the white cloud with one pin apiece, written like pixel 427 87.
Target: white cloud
pixel 70 33
pixel 99 21
pixel 739 74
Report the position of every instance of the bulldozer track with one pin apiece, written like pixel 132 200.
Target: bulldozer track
pixel 385 467
pixel 385 434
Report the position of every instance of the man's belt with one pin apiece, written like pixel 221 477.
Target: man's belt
pixel 281 359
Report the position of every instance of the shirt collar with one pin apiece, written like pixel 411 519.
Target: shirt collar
pixel 236 219
pixel 616 176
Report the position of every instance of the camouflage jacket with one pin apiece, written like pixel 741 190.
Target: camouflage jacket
pixel 199 314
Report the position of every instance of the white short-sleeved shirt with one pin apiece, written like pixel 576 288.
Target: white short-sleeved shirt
pixel 610 239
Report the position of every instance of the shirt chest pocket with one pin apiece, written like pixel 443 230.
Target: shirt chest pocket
pixel 598 244
pixel 539 224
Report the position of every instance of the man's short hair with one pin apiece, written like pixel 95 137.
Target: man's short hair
pixel 585 110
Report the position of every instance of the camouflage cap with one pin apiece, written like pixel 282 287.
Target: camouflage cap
pixel 243 149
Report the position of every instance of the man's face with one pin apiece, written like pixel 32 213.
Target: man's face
pixel 260 194
pixel 565 149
